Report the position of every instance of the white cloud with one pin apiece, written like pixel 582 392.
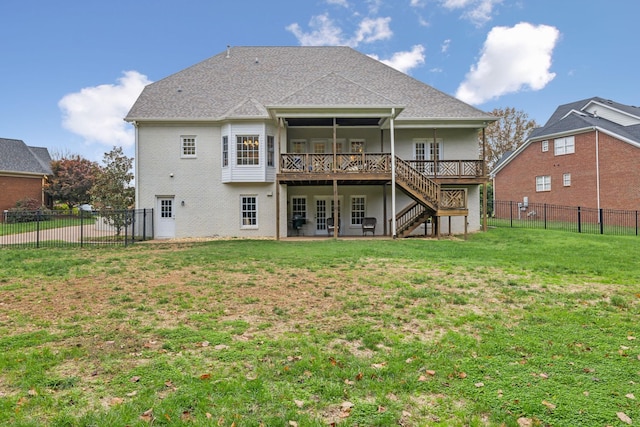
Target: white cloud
pixel 342 3
pixel 371 30
pixel 512 59
pixel 477 11
pixel 445 46
pixel 405 61
pixel 96 113
pixel 324 32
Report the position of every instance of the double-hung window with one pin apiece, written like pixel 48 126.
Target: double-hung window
pixel 299 207
pixel 271 155
pixel 358 205
pixel 248 150
pixel 566 180
pixel 249 211
pixel 225 151
pixel 562 146
pixel 543 183
pixel 187 146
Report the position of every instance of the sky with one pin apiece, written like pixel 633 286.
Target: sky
pixel 71 70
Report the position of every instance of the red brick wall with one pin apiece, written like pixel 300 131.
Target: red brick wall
pixel 619 178
pixel 13 189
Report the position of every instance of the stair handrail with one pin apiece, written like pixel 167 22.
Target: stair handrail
pixel 425 186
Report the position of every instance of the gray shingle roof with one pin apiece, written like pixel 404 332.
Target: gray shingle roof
pixel 16 156
pixel 273 76
pixel 568 118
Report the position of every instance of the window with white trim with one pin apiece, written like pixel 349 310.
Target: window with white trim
pixel 566 180
pixel 357 145
pixel 358 205
pixel 271 153
pixel 298 146
pixel 187 147
pixel 249 211
pixel 299 207
pixel 545 146
pixel 562 146
pixel 247 150
pixel 543 183
pixel 225 151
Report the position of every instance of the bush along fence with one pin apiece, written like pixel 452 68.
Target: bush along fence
pixel 75 228
pixel 568 218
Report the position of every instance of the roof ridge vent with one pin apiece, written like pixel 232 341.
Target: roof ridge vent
pixel 228 51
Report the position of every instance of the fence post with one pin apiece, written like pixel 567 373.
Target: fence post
pixel 38 229
pixel 636 223
pixel 511 213
pixel 579 223
pixel 144 224
pixel 544 209
pixel 81 213
pixel 601 214
pixel 126 228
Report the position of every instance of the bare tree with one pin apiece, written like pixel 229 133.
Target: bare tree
pixel 506 134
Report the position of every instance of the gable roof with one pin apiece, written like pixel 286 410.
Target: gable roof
pixel 17 157
pixel 582 116
pixel 313 77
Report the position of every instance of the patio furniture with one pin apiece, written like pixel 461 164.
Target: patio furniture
pixel 369 225
pixel 297 222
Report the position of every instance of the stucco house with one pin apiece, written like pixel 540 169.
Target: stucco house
pixel 586 155
pixel 246 141
pixel 24 171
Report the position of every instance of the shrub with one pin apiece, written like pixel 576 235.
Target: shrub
pixel 27 210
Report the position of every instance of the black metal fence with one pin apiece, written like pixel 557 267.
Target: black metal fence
pixel 75 228
pixel 568 218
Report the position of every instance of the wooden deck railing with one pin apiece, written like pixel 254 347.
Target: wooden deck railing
pixel 376 163
pixel 449 168
pixel 453 198
pixel 341 162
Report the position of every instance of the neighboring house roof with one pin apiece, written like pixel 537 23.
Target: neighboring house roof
pixel 245 82
pixel 618 120
pixel 17 157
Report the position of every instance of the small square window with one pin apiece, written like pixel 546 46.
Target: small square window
pixel 543 183
pixel 188 146
pixel 545 146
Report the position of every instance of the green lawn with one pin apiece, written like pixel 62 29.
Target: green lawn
pixel 512 327
pixel 54 222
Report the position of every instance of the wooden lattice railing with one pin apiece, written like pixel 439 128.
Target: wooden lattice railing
pixel 453 198
pixel 449 168
pixel 341 162
pixel 376 163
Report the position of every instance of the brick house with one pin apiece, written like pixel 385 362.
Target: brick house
pixel 279 141
pixel 587 155
pixel 24 171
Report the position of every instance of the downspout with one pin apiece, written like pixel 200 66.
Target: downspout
pixel 280 124
pixel 484 177
pixel 393 174
pixel 598 168
pixel 136 166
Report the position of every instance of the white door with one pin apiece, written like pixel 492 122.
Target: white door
pixel 165 218
pixel 324 210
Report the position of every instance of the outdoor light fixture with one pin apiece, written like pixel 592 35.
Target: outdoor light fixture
pixel 182 203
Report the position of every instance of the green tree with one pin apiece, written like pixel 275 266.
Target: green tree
pixel 112 192
pixel 506 134
pixel 73 177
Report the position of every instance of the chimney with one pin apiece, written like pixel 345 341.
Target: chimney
pixel 228 51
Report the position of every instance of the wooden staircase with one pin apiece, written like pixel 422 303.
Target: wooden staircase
pixel 429 200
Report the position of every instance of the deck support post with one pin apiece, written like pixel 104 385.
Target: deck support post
pixel 336 210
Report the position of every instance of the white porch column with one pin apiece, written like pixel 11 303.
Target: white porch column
pixel 393 173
